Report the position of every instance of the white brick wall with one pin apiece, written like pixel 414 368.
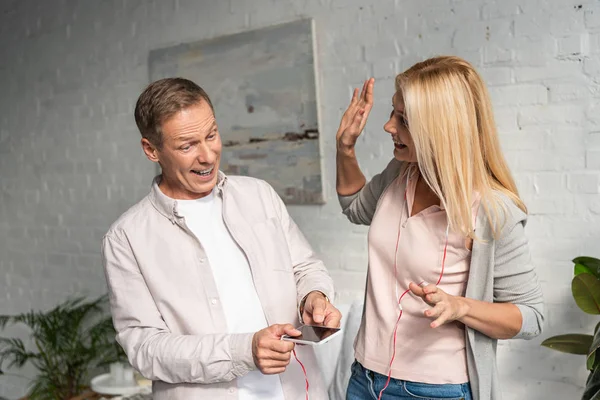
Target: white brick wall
pixel 70 162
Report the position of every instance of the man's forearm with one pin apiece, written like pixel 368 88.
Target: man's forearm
pixel 171 358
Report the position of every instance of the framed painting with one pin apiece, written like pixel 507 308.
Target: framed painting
pixel 263 88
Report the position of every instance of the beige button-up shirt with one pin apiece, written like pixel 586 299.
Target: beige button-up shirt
pixel 165 304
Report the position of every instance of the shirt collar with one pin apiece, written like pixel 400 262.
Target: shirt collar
pixel 166 205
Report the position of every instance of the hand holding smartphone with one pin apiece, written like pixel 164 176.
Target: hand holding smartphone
pixel 313 335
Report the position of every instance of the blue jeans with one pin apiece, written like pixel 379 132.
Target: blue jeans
pixel 366 384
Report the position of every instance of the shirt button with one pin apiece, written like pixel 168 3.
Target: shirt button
pixel 213 301
pixel 232 390
pixel 202 260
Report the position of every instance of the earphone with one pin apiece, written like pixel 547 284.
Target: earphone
pixel 398 298
pixel 303 370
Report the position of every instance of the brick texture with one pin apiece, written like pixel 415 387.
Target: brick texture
pixel 70 160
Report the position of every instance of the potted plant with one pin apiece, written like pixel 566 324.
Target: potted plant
pixel 585 287
pixel 68 342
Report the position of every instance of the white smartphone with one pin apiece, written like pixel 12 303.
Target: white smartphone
pixel 313 335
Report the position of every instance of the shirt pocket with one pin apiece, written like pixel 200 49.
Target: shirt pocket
pixel 273 247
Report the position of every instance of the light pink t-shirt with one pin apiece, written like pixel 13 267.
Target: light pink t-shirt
pixel 423 354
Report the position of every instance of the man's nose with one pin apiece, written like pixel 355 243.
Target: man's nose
pixel 205 155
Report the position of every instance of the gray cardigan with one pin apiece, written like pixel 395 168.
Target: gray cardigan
pixel 501 271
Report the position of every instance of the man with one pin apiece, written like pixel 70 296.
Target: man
pixel 208 271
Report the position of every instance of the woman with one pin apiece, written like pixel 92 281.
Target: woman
pixel 449 265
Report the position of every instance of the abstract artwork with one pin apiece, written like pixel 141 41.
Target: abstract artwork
pixel 263 88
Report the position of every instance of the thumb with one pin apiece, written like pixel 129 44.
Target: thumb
pixel 287 329
pixel 318 310
pixel 416 289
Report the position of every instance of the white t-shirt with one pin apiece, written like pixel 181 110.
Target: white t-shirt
pixel 231 271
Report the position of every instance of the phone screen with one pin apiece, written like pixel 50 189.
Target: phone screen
pixel 315 333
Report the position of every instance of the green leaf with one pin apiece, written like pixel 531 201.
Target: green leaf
pixel 586 292
pixel 593 264
pixel 582 269
pixel 592 360
pixel 573 343
pixel 592 386
pixel 67 342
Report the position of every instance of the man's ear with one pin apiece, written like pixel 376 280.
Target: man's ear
pixel 150 150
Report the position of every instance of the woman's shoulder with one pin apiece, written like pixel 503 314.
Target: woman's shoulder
pixel 394 168
pixel 503 209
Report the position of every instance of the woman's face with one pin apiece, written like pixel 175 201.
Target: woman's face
pixel 397 127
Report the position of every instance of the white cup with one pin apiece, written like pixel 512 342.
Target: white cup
pixel 116 372
pixel 128 375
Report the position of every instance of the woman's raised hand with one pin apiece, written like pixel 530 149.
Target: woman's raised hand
pixel 355 118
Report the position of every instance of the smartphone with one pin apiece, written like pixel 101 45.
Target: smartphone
pixel 313 335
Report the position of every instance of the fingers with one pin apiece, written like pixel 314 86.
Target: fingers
pixel 279 330
pixel 355 117
pixel 272 363
pixel 318 307
pixel 363 91
pixel 366 95
pixel 430 289
pixel 265 339
pixel 367 90
pixel 333 318
pixel 272 355
pixel 369 93
pixel 442 319
pixel 430 293
pixel 273 371
pixel 349 114
pixel 280 346
pixel 275 353
pixel 279 353
pixel 435 311
pixel 440 312
pixel 354 96
pixel 445 308
pixel 433 298
pixel 423 291
pixel 354 128
pixel 416 289
pixel 307 318
pixel 289 330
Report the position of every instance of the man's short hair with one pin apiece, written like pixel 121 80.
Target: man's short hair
pixel 161 100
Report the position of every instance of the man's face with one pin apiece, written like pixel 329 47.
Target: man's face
pixel 190 153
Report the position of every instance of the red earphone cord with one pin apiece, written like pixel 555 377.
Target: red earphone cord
pixel 389 377
pixel 303 370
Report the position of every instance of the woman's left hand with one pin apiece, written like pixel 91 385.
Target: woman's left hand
pixel 445 307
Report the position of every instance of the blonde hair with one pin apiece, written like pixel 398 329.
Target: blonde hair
pixel 450 119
